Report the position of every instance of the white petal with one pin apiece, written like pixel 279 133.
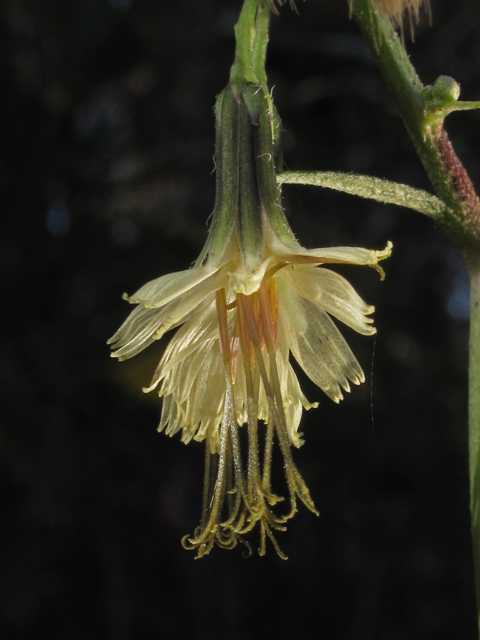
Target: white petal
pixel 136 332
pixel 144 325
pixel 351 255
pixel 320 349
pixel 202 326
pixel 334 294
pixel 192 378
pixel 294 401
pixel 240 391
pixel 293 398
pixel 177 311
pixel 193 402
pixel 163 290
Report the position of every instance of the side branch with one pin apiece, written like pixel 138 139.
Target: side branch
pixel 373 189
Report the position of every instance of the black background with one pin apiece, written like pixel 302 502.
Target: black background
pixel 106 159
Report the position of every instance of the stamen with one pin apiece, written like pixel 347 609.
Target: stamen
pixel 276 419
pixel 295 481
pixel 248 322
pixel 301 488
pixel 234 344
pixel 275 543
pixel 248 498
pixel 240 490
pixel 209 533
pixel 267 463
pixel 269 324
pixel 254 481
pixel 230 487
pixel 271 284
pixel 207 483
pixel 250 331
pixel 221 300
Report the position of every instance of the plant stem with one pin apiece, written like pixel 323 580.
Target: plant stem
pixel 474 417
pixel 455 189
pixel 446 172
pixel 251 38
pixel 259 56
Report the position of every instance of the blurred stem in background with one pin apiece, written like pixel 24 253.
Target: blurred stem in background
pixel 423 110
pixel 457 208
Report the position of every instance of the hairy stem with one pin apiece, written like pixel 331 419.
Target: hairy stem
pixel 474 417
pixel 455 189
pixel 371 188
pixel 446 172
pixel 251 38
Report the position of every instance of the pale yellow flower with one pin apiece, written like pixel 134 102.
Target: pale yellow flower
pixel 253 323
pixel 303 297
pixel 255 298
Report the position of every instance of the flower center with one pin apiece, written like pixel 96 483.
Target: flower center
pixel 238 499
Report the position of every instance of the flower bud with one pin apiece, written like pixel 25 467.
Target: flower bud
pixel 247 202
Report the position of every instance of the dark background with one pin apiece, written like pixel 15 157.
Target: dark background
pixel 106 159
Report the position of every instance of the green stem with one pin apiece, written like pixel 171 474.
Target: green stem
pixel 455 189
pixel 474 417
pixel 371 188
pixel 446 172
pixel 251 39
pixel 261 41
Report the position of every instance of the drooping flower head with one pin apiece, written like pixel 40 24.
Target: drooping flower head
pixel 254 299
